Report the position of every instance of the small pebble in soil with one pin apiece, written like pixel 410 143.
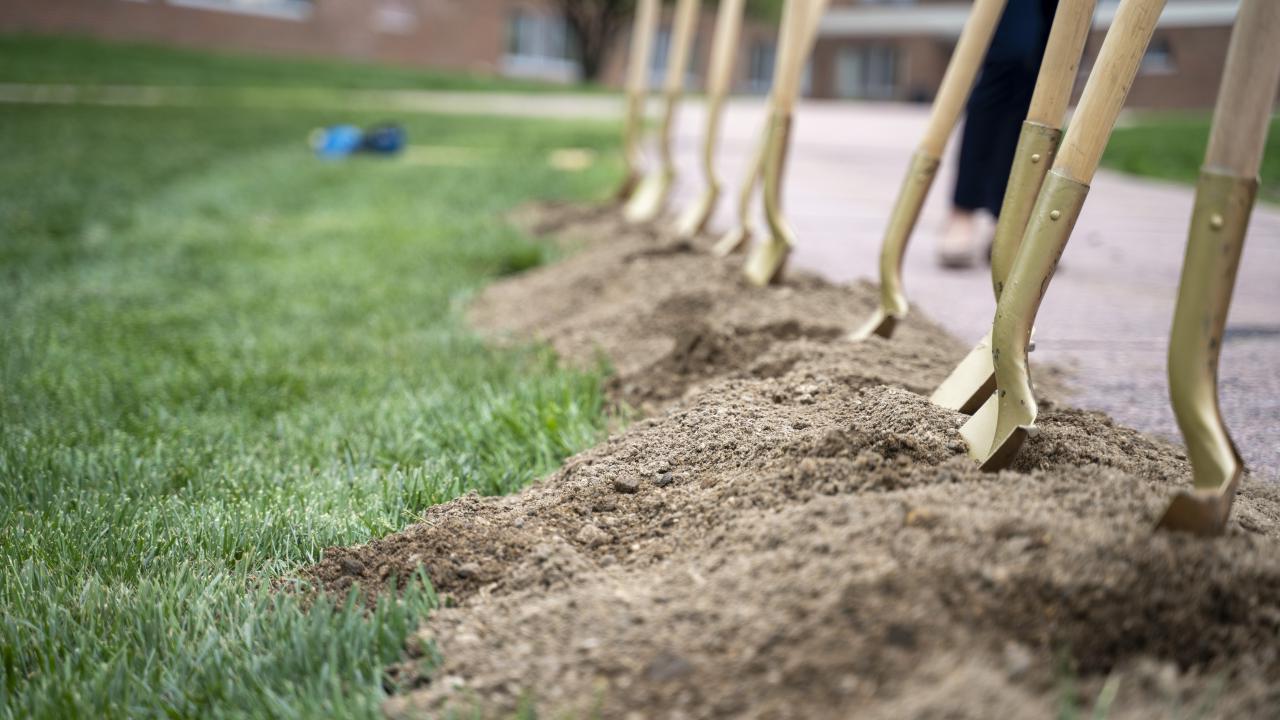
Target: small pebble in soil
pixel 1017 660
pixel 666 667
pixel 467 570
pixel 626 484
pixel 664 479
pixel 592 536
pixel 919 517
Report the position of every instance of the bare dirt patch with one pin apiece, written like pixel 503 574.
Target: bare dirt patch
pixel 668 317
pixel 796 532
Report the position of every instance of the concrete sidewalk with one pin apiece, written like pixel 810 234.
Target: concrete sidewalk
pixel 1108 313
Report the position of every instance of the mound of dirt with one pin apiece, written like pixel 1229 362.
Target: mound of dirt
pixel 799 534
pixel 571 226
pixel 668 317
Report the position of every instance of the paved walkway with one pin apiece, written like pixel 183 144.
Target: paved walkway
pixel 1108 312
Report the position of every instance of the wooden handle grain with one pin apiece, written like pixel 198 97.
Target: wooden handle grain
pixel 814 17
pixel 686 22
pixel 1243 111
pixel 1107 88
pixel 645 27
pixel 961 71
pixel 792 12
pixel 800 25
pixel 1071 25
pixel 724 47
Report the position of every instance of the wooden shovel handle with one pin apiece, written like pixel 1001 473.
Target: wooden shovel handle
pixel 1243 111
pixel 686 21
pixel 1071 25
pixel 642 33
pixel 961 71
pixel 814 16
pixel 1108 86
pixel 798 39
pixel 728 27
pixel 781 95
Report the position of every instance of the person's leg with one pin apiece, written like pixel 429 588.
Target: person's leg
pixel 1006 125
pixel 995 111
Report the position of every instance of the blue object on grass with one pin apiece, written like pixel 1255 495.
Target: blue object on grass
pixel 385 139
pixel 338 141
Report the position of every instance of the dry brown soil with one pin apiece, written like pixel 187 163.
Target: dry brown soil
pixel 794 531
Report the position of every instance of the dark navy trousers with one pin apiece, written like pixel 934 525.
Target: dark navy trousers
pixel 998 104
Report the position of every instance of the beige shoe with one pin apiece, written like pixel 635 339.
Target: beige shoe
pixel 960 243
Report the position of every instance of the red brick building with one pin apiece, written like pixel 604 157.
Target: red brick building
pixel 867 49
pixel 519 38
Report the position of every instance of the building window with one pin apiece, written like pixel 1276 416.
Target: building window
pixel 279 9
pixel 1159 58
pixel 539 45
pixel 658 57
pixel 867 72
pixel 760 66
pixel 661 51
pixel 397 17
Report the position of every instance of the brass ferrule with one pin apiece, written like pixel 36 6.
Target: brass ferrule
pixel 1037 144
pixel 915 188
pixel 1048 230
pixel 775 159
pixel 634 121
pixel 667 152
pixel 1215 241
pixel 754 170
pixel 715 106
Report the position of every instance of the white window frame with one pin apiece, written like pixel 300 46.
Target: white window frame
pixel 544 47
pixel 297 10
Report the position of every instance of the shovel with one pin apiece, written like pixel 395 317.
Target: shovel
pixel 1224 200
pixel 740 233
pixel 973 380
pixel 998 429
pixel 642 32
pixel 728 25
pixel 651 195
pixel 799 26
pixel 957 82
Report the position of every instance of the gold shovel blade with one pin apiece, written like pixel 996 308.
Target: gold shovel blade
pixel 993 449
pixel 1201 512
pixel 880 323
pixel 1215 242
pixel 769 258
pixel 970 383
pixel 731 241
pixel 627 187
pixel 694 219
pixel 902 220
pixel 1008 418
pixel 767 261
pixel 647 200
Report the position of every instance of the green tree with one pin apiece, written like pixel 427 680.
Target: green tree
pixel 595 25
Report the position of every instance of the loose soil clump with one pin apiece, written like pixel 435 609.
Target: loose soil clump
pixel 796 532
pixel 668 317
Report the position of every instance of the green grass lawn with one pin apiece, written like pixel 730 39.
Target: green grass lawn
pixel 219 355
pixel 82 61
pixel 1171 147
